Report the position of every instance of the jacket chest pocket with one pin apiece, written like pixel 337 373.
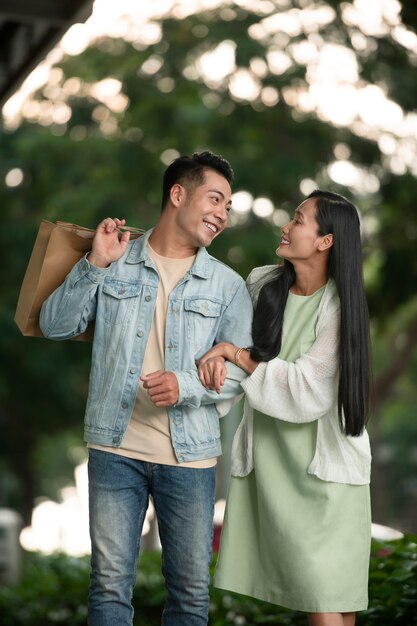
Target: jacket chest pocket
pixel 120 300
pixel 202 317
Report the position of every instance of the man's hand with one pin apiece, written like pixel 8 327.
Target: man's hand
pixel 162 387
pixel 108 245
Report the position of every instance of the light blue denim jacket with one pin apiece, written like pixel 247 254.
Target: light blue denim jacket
pixel 209 304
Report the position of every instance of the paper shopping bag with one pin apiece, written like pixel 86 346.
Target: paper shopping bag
pixel 58 246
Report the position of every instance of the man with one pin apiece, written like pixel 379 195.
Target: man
pixel 159 303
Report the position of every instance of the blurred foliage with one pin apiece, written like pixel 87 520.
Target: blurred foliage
pixel 79 173
pixel 54 591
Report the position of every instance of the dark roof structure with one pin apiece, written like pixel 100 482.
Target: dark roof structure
pixel 29 29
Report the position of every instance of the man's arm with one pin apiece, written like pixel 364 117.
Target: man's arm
pixel 67 312
pixel 69 309
pixel 235 327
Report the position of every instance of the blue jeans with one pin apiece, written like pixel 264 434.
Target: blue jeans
pixel 119 489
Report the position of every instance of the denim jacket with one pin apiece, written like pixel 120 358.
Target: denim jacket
pixel 209 304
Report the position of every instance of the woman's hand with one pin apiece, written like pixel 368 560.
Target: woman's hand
pixel 229 352
pixel 224 350
pixel 211 367
pixel 212 373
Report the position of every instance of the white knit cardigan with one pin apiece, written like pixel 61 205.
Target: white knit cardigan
pixel 305 391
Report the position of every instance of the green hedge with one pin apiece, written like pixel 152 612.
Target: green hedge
pixel 54 589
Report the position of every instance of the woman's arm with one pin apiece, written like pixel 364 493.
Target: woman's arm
pixel 211 366
pixel 305 390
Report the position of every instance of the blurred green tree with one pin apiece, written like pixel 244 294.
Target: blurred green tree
pixel 95 141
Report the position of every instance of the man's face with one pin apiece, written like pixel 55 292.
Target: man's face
pixel 202 212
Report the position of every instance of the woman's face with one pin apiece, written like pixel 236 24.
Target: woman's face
pixel 300 237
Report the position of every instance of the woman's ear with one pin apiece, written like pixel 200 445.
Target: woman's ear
pixel 326 242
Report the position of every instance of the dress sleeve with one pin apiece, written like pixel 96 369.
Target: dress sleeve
pixel 307 389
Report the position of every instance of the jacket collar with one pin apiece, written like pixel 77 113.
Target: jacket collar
pixel 138 253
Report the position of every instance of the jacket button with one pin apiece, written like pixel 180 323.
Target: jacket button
pixel 133 370
pixel 115 439
pixel 124 405
pixel 140 333
pixel 147 298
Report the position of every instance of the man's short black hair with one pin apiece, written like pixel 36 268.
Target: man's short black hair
pixel 189 171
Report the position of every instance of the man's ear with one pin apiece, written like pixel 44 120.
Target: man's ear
pixel 326 242
pixel 177 194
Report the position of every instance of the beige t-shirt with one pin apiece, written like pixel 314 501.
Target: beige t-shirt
pixel 148 436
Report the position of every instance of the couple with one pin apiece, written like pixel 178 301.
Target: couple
pixel 176 334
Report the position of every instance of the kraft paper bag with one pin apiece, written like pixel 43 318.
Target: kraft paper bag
pixel 58 247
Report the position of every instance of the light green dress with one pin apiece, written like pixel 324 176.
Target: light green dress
pixel 290 538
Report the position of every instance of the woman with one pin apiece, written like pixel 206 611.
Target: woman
pixel 297 523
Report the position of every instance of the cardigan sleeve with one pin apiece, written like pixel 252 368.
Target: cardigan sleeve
pixel 307 389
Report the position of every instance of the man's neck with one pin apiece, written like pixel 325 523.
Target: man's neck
pixel 167 243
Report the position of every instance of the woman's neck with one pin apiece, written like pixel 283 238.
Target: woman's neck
pixel 308 281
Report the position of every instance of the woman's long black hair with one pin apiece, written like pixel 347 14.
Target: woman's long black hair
pixel 337 216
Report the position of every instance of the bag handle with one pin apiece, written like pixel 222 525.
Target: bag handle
pixel 76 228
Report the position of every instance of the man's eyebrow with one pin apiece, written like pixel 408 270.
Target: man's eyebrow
pixel 298 212
pixel 217 191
